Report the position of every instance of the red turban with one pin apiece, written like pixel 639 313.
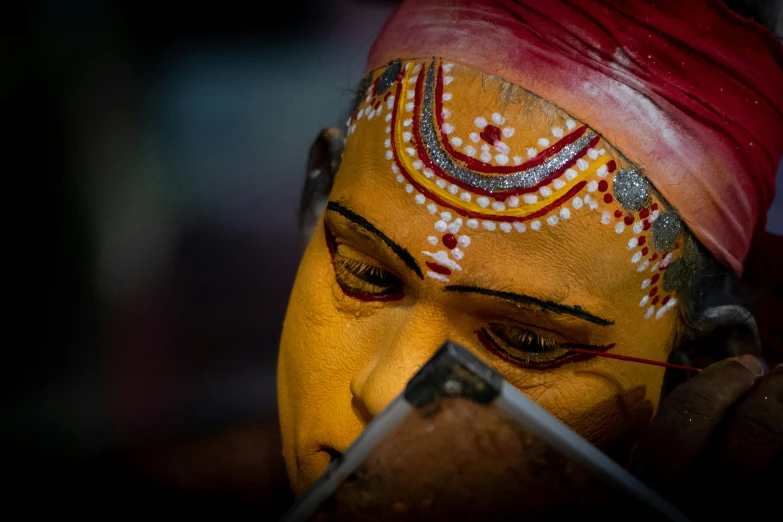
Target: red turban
pixel 689 91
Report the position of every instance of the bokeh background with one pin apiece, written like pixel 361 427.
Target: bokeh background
pixel 159 153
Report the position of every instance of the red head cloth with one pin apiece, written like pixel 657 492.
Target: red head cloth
pixel 689 91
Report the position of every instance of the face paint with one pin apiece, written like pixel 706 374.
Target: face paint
pixel 468 209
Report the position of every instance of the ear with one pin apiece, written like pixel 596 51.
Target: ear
pixel 729 331
pixel 325 155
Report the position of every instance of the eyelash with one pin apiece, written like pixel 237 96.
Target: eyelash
pixel 522 346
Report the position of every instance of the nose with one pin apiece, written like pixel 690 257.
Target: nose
pixel 409 344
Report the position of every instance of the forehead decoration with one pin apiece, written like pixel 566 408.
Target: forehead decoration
pixel 476 178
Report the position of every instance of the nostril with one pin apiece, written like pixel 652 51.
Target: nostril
pixel 334 455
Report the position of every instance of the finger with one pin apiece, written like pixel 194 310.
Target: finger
pixel 687 418
pixel 754 432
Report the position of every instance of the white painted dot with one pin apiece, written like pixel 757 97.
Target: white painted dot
pixel 605 218
pixel 489 225
pixel 565 213
pixel 602 171
pixel 446 96
pixel 543 142
pixel 453 189
pixel 445 216
pixel 646 283
pixel 588 199
pixel 409 189
pixel 432 208
pixel 582 164
pixel 389 155
pixel 505 227
pixel 601 152
pixel 484 147
pixel 592 186
pixel 388 118
pixel 419 198
pixel 557 132
pixel 483 201
pixel 455 226
pixel 387 143
pixel 520 226
pixel 577 203
pixel 638 226
pixel 570 174
pixel 407 123
pixel 486 157
pixel 558 184
pixel 619 227
pixel 457 253
pixel 390 103
pixel 470 151
pixel 441 183
pixel 472 223
pixel 395 169
pixel 370 115
pixel 465 196
pixel 513 201
pixel 672 302
pixel 643 266
pixel 445 113
pixel 508 132
pixel 413 79
pixel 498 205
pixel 660 312
pixel 480 122
pixel 545 192
pixel 632 243
pixel 360 114
pixel 502 148
pixel 457 142
pixel 592 154
pixel 406 137
pixel 570 124
pixel 448 128
pixel 416 69
pixel 636 258
pixel 593 204
pixel 428 173
pixel 464 241
pixel 418 164
pixel 530 198
pixel 535 225
pixel 531 152
pixel 475 138
pixel 409 106
pixel 411 151
pixel 388 128
pixel 441 226
pixel 653 215
pixel 649 313
pixel 517 160
pixel 501 159
pixel 498 119
pixel 644 300
pixel 433 240
pixel 400 178
pixel 448 79
pixel 447 67
pixel 552 220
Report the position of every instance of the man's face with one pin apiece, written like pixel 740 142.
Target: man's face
pixel 471 210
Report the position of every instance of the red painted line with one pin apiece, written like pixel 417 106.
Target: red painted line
pixel 437 268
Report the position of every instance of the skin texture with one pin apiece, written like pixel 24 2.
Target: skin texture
pixel 344 354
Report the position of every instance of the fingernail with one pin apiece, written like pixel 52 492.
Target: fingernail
pixel 756 366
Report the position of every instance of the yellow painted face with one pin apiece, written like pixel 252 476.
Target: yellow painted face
pixel 469 209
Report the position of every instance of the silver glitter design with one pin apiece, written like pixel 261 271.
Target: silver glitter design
pixel 630 190
pixel 389 76
pixel 517 180
pixel 674 275
pixel 665 231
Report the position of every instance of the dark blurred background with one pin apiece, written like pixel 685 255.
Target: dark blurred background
pixel 154 157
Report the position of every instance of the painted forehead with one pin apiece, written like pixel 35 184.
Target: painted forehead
pixel 483 159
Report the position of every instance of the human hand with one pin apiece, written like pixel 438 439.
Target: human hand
pixel 716 443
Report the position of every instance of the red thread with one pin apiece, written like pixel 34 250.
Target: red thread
pixel 634 359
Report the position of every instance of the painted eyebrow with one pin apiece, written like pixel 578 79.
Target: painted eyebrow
pixel 358 220
pixel 575 311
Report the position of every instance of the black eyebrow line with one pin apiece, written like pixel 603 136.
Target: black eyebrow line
pixel 576 311
pixel 402 253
